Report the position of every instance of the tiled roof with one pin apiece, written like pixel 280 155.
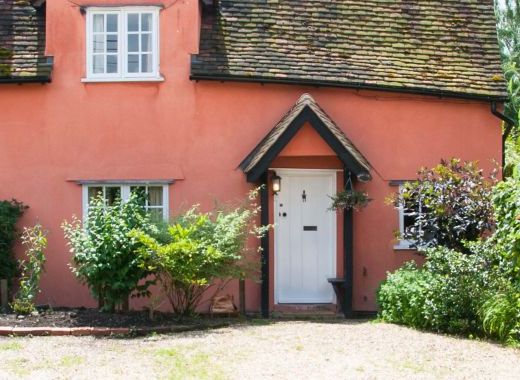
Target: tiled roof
pixel 307 103
pixel 22 42
pixel 448 47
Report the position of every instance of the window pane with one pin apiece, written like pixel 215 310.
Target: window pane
pixel 112 43
pixel 133 42
pixel 146 42
pixel 111 63
pixel 155 196
pixel 133 63
pixel 141 192
pixel 112 193
pixel 133 22
pixel 146 63
pixel 146 22
pixel 94 192
pixel 409 220
pixel 99 43
pixel 99 23
pixel 98 64
pixel 111 23
pixel 156 213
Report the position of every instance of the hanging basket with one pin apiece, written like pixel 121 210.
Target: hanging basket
pixel 350 200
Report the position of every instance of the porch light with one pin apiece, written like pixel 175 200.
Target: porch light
pixel 364 177
pixel 276 183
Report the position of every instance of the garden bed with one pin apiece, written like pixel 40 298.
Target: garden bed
pixel 84 321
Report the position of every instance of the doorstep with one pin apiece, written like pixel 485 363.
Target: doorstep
pixel 306 311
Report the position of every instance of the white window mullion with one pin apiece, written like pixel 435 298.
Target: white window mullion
pixel 124 44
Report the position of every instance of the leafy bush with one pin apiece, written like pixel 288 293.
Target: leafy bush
pixel 450 203
pixel 453 301
pixel 202 247
pixel 35 241
pixel 10 212
pixel 444 295
pixel 402 296
pixel 105 255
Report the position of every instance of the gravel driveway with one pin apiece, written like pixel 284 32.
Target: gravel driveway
pixel 276 350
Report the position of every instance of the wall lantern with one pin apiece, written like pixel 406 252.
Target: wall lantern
pixel 276 183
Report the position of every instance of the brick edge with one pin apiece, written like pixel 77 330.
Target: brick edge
pixel 102 331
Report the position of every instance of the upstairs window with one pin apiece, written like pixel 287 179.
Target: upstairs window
pixel 123 44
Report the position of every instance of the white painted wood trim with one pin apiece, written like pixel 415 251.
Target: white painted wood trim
pixel 122 75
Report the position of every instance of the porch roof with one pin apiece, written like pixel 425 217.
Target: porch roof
pixel 306 110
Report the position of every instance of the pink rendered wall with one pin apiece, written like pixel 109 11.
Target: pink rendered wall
pixel 198 133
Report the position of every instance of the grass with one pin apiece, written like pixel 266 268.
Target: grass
pixel 11 346
pixel 69 361
pixel 187 363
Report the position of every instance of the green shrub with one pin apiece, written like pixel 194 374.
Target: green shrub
pixel 453 302
pixel 34 240
pixel 105 255
pixel 201 248
pixel 444 295
pixel 401 297
pixel 10 212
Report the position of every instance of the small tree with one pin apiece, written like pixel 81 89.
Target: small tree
pixel 10 212
pixel 450 204
pixel 34 240
pixel 105 255
pixel 202 247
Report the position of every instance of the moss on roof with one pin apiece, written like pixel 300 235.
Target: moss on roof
pixel 423 46
pixel 22 42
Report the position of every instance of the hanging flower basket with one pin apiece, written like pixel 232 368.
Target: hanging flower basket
pixel 349 200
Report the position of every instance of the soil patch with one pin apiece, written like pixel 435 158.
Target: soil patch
pixel 83 317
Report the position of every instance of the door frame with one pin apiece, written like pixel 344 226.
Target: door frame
pixel 332 174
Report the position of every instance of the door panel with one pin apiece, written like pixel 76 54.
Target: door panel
pixel 305 238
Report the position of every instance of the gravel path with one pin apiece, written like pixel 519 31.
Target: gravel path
pixel 278 350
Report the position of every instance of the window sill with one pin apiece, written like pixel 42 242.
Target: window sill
pixel 404 248
pixel 109 80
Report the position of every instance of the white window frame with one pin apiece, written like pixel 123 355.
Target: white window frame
pixel 125 194
pixel 404 244
pixel 123 75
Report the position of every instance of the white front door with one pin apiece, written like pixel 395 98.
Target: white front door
pixel 305 236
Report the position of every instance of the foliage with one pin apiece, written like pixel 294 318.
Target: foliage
pixel 34 240
pixel 202 247
pixel 349 200
pixel 10 212
pixel 476 293
pixel 450 203
pixel 506 201
pixel 105 255
pixel 500 313
pixel 508 28
pixel 402 296
pixel 453 301
pixel 443 295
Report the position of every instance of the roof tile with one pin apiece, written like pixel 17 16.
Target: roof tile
pixel 413 45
